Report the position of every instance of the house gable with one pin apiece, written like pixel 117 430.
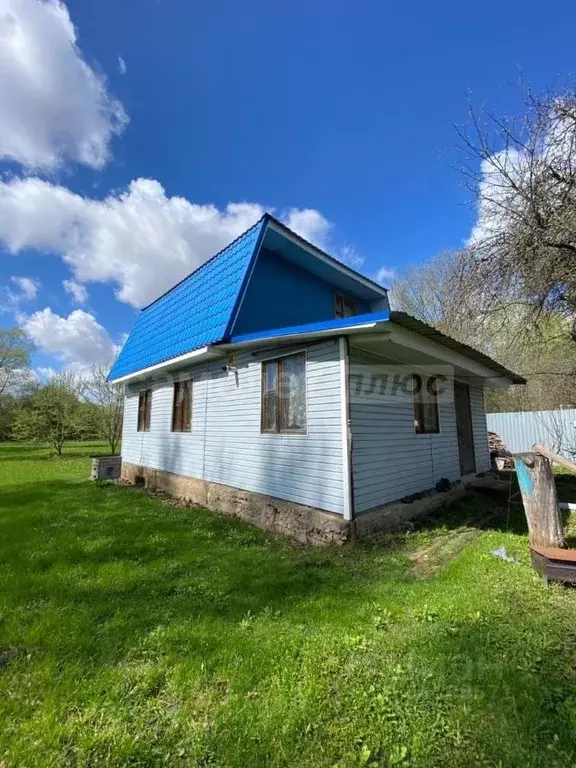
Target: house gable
pixel 281 293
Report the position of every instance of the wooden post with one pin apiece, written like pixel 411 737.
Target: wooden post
pixel 538 489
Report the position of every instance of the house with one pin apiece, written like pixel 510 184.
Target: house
pixel 275 383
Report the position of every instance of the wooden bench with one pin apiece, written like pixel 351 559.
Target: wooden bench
pixel 554 563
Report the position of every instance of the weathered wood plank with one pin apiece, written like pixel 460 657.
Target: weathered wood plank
pixel 538 489
pixel 545 450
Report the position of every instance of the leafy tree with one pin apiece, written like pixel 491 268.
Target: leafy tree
pixel 15 351
pixel 16 381
pixel 52 413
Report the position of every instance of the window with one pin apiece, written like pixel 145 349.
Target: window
pixel 284 395
pixel 344 306
pixel 144 409
pixel 182 406
pixel 425 393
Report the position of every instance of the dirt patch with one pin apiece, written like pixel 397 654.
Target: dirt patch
pixel 445 548
pixel 427 560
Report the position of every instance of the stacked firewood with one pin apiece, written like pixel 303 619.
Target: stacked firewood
pixel 499 453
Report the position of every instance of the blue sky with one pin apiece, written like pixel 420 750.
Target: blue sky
pixel 338 116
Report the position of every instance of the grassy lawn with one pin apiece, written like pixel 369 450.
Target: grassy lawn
pixel 134 633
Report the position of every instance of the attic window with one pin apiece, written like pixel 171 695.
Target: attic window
pixel 144 410
pixel 344 306
pixel 284 395
pixel 182 406
pixel 425 393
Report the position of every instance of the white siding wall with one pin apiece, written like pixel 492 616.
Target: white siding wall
pixel 226 412
pixel 389 460
pixel 480 429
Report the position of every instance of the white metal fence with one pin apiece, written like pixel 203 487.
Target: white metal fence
pixel 520 430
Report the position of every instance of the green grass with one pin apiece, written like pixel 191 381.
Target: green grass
pixel 134 633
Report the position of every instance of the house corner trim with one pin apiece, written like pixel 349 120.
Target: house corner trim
pixel 347 477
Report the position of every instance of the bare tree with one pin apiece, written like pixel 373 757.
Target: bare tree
pixel 523 172
pixel 429 291
pixel 108 401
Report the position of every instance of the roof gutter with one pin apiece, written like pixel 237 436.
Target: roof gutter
pixel 253 339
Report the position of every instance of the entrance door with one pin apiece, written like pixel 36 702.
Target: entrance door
pixel 464 428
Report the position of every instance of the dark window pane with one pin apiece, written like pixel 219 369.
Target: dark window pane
pixel 187 406
pixel 426 417
pixel 182 406
pixel 350 308
pixel 270 376
pixel 269 411
pixel 338 306
pixel 344 306
pixel 144 408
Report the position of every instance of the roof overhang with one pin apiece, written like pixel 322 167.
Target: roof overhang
pixel 279 238
pixel 195 356
pixel 397 330
pixel 385 331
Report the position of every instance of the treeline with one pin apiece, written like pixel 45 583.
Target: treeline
pixel 69 406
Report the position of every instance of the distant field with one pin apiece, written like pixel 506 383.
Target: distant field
pixel 135 633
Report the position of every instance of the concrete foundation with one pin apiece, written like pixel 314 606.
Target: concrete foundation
pixel 389 517
pixel 306 525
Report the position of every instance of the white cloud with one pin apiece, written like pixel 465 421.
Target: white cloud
pixel 384 275
pixel 54 106
pixel 10 299
pixel 77 340
pixel 309 224
pixel 349 255
pixel 122 68
pixel 139 239
pixel 27 285
pixel 76 290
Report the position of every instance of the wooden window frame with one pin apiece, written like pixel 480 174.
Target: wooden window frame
pixel 144 410
pixel 419 404
pixel 179 421
pixel 344 301
pixel 278 362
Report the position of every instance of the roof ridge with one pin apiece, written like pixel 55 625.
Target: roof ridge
pixel 204 264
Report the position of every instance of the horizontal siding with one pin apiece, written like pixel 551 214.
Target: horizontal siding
pixel 389 460
pixel 226 445
pixel 480 429
pixel 303 468
pixel 181 453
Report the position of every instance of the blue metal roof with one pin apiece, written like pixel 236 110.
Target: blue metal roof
pixel 194 313
pixel 324 325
